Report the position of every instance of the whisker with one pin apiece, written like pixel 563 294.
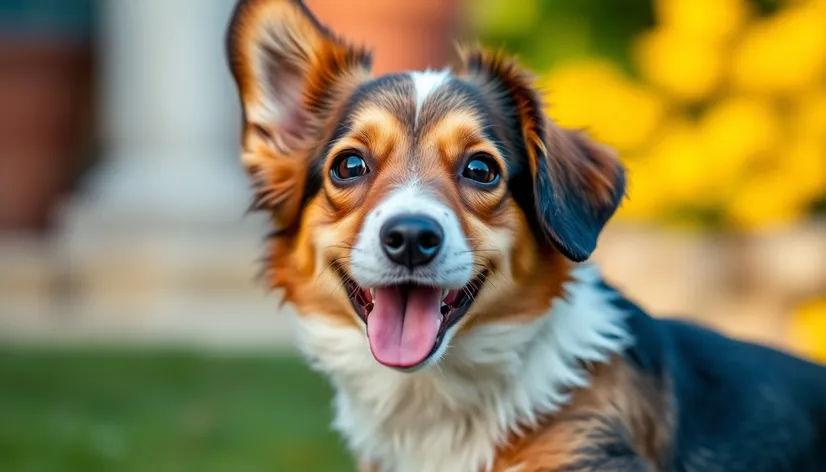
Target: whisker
pixel 474 251
pixel 468 293
pixel 343 245
pixel 493 285
pixel 325 270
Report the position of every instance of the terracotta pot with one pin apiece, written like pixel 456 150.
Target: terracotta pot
pixel 44 99
pixel 404 34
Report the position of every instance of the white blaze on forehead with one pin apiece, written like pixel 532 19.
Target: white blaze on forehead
pixel 425 83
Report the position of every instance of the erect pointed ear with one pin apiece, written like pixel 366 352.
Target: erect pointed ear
pixel 577 184
pixel 291 74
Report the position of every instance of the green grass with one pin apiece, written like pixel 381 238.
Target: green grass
pixel 110 410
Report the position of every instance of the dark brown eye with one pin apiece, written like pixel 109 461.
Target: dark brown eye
pixel 349 166
pixel 482 169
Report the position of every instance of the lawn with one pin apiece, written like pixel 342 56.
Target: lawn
pixel 65 410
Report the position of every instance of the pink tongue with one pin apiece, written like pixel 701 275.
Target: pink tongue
pixel 403 329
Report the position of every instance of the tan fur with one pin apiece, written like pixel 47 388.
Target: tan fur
pixel 325 68
pixel 619 399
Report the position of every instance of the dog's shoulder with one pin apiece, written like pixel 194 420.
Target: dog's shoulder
pixel 736 403
pixel 753 406
pixel 682 397
pixel 623 420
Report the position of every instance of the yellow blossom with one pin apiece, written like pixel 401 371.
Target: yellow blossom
pixel 687 68
pixel 681 165
pixel 595 95
pixel 803 162
pixel 710 20
pixel 809 115
pixel 808 329
pixel 783 53
pixel 767 200
pixel 646 199
pixel 735 132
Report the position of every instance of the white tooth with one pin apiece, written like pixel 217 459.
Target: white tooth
pixel 444 293
pixel 372 293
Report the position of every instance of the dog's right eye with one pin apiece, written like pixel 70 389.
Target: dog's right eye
pixel 482 170
pixel 349 166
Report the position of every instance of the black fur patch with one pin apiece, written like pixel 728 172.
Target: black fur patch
pixel 565 206
pixel 740 407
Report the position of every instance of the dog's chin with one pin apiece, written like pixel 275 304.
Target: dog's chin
pixel 407 323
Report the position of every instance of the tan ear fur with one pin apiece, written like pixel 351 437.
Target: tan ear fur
pixel 292 74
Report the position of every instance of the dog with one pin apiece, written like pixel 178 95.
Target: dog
pixel 431 230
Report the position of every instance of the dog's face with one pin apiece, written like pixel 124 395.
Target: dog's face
pixel 413 205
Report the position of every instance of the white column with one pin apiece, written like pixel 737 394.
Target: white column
pixel 156 242
pixel 169 116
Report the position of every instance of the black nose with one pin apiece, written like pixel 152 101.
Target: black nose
pixel 411 240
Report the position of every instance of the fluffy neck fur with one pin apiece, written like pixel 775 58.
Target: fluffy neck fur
pixel 493 379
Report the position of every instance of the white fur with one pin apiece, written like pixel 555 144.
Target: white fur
pixel 425 83
pixel 451 268
pixel 452 416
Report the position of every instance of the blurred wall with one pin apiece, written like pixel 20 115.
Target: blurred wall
pixel 413 35
pixel 46 105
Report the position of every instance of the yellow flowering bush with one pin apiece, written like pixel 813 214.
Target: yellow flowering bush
pixel 783 54
pixel 723 125
pixel 593 94
pixel 717 107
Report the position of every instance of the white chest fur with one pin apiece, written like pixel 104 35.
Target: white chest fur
pixel 453 415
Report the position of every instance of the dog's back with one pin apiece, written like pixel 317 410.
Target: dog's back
pixel 736 406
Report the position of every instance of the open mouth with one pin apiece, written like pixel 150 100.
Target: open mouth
pixel 406 323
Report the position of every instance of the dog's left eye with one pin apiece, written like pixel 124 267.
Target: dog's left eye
pixel 349 166
pixel 482 169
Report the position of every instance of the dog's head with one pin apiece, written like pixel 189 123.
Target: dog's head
pixel 414 204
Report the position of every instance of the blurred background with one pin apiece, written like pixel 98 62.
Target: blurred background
pixel 133 333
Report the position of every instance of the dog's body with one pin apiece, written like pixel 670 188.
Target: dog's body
pixel 428 226
pixel 658 395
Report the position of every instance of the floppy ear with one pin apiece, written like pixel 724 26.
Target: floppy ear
pixel 577 184
pixel 291 74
